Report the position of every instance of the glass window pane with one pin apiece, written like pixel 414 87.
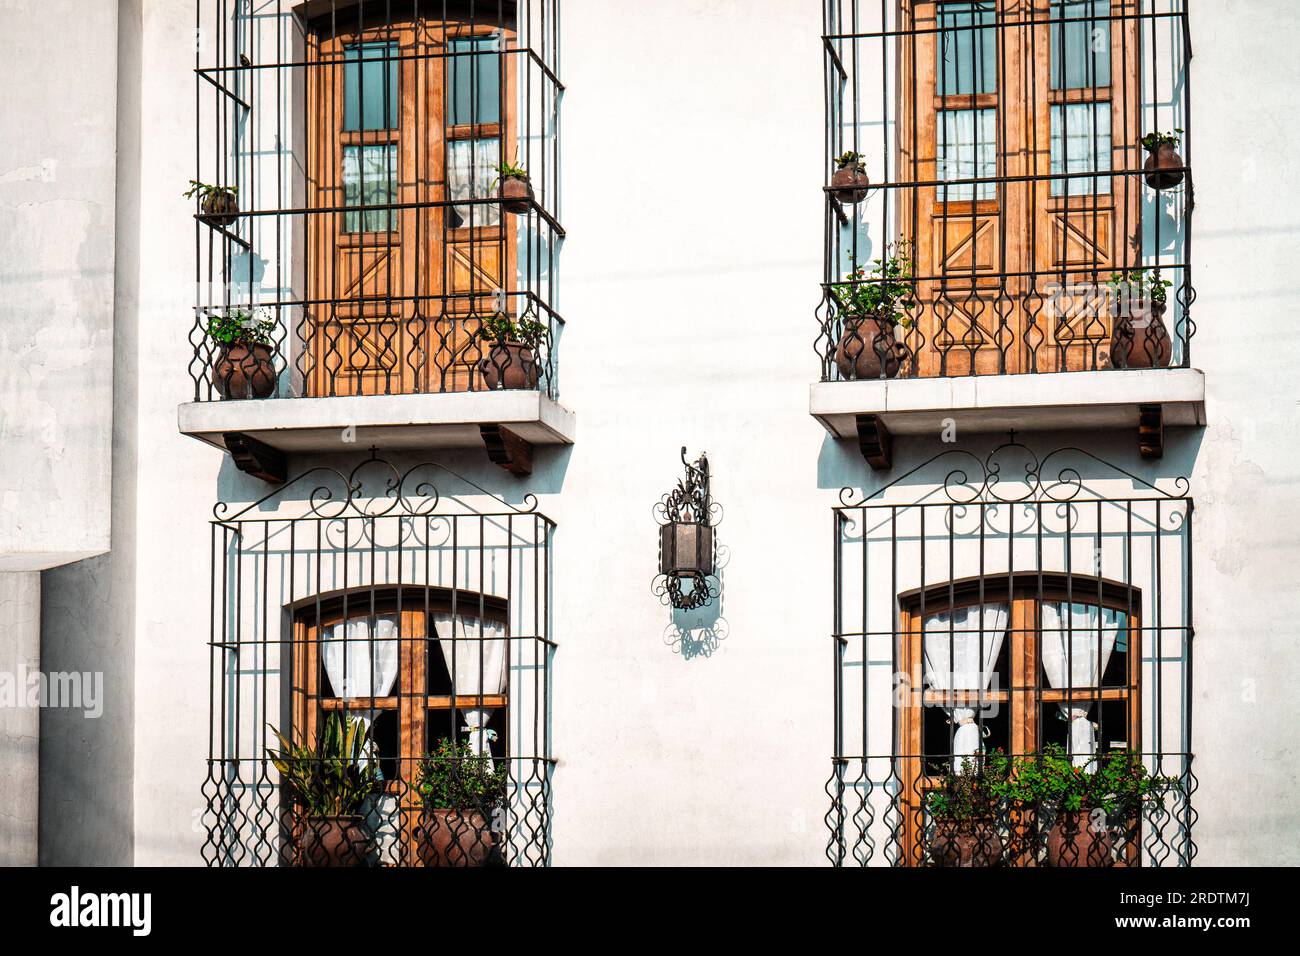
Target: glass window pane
pixel 369 179
pixel 966 51
pixel 472 174
pixel 966 149
pixel 1080 144
pixel 370 86
pixel 1080 45
pixel 473 81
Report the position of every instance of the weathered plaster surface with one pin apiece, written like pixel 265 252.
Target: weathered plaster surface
pixel 57 168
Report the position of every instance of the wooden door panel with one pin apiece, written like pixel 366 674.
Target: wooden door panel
pixel 384 311
pixel 1085 237
pixel 1018 238
pixel 966 246
pixel 967 331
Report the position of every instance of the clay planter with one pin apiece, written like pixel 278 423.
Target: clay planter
pixel 220 208
pixel 516 194
pixel 1156 170
pixel 244 371
pixel 849 183
pixel 973 843
pixel 509 365
pixel 1074 842
pixel 333 841
pixel 868 349
pixel 455 838
pixel 1141 339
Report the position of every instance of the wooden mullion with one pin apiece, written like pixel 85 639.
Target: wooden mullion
pixel 911 802
pixel 413 686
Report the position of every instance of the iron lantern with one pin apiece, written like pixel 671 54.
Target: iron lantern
pixel 687 547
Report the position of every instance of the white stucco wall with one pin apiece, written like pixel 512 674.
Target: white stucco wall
pixel 57 169
pixel 689 301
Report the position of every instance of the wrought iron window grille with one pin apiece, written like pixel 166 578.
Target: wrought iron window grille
pixel 375 594
pixel 373 223
pixel 1013 613
pixel 1005 143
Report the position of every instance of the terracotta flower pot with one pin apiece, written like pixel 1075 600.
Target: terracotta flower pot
pixel 333 841
pixel 1140 339
pixel 966 843
pixel 868 349
pixel 220 208
pixel 455 838
pixel 849 183
pixel 1163 168
pixel 516 194
pixel 1074 842
pixel 509 365
pixel 244 371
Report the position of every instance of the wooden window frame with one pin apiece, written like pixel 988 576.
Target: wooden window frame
pixel 1025 593
pixel 414 705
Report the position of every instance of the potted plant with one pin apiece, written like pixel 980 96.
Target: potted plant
pixel 511 361
pixel 1139 339
pixel 460 793
pixel 329 787
pixel 1089 805
pixel 243 365
pixel 872 305
pixel 849 182
pixel 964 810
pixel 514 187
pixel 1164 167
pixel 217 204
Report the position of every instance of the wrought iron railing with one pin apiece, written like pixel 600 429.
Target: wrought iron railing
pixel 878 818
pixel 357 232
pixel 1013 645
pixel 1001 170
pixel 367 600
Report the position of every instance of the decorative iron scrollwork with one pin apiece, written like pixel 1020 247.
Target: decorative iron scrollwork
pixel 688 555
pixel 374 488
pixel 1012 473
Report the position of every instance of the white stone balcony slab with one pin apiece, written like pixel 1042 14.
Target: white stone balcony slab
pixel 507 423
pixel 1108 399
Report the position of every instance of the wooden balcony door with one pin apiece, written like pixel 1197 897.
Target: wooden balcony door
pixel 1000 109
pixel 409 117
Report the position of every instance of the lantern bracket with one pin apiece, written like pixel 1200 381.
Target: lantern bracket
pixel 688 556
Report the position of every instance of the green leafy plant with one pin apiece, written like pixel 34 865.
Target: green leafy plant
pixel 1153 141
pixel 510 170
pixel 240 326
pixel 205 191
pixel 1140 284
pixel 972 792
pixel 501 328
pixel 454 777
pixel 1116 781
pixel 883 293
pixel 848 159
pixel 335 779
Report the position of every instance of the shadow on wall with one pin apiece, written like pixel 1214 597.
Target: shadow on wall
pixel 550 465
pixel 840 465
pixel 698 632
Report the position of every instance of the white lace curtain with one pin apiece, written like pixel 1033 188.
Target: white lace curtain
pixel 475 652
pixel 1077 641
pixel 471 173
pixel 961 647
pixel 362 661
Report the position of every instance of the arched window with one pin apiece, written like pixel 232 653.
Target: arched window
pixel 417 665
pixel 1015 662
